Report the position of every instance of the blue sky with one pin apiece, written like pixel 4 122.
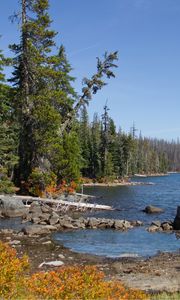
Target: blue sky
pixel 146 33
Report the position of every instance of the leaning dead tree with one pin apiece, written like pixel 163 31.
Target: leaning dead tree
pixel 92 86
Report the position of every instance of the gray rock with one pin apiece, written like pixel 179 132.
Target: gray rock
pixel 38 229
pixel 42 222
pixel 35 208
pixel 127 224
pixel 45 217
pixel 152 209
pixel 176 223
pixel 66 224
pixel 78 224
pixel 35 220
pixel 153 228
pixel 46 209
pixel 93 223
pixel 106 223
pixel 166 226
pixel 83 220
pixel 118 224
pixel 156 223
pixel 110 223
pixel 54 219
pixel 11 207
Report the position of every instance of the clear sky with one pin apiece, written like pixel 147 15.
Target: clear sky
pixel 146 34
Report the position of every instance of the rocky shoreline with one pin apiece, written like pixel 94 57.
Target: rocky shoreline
pixel 153 274
pixel 114 184
pixel 158 273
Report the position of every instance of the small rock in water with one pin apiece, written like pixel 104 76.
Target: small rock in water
pixel 152 209
pixel 153 228
pixel 166 226
pixel 156 223
pixel 55 263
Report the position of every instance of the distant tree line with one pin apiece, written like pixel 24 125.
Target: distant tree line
pixel 111 154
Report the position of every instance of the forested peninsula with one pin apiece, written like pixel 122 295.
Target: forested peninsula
pixel 47 142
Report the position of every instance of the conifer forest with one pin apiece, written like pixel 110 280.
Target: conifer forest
pixel 46 137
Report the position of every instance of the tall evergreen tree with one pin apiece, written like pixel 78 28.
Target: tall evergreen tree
pixel 8 133
pixel 31 71
pixel 45 97
pixel 85 143
pixel 44 93
pixel 95 162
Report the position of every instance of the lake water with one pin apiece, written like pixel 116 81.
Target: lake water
pixel 130 200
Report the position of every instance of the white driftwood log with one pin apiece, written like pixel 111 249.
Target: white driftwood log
pixel 64 203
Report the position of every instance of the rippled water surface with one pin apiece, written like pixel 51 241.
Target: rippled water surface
pixel 130 200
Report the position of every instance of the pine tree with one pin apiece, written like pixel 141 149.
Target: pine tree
pixel 95 160
pixel 8 134
pixel 44 93
pixel 85 143
pixel 46 103
pixel 30 77
pixel 108 129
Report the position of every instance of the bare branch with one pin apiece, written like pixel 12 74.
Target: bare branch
pixel 92 86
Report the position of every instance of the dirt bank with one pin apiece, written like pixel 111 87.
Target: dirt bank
pixel 159 273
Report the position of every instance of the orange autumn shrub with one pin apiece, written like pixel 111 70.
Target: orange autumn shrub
pixel 69 283
pixel 66 283
pixel 12 270
pixel 63 187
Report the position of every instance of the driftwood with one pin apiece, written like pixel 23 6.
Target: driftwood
pixel 60 203
pixel 85 196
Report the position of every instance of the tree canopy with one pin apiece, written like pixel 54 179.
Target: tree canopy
pixel 46 137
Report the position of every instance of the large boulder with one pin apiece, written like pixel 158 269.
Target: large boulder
pixel 106 223
pixel 119 224
pixel 54 218
pixel 93 223
pixel 38 229
pixel 154 228
pixel 167 225
pixel 35 208
pixel 150 209
pixel 12 207
pixel 66 222
pixel 176 223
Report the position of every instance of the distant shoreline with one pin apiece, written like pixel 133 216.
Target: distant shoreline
pixel 130 183
pixel 152 175
pixel 113 184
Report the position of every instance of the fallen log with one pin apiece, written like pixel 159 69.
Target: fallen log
pixel 85 196
pixel 59 203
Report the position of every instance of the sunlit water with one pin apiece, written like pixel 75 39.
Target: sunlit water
pixel 130 201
